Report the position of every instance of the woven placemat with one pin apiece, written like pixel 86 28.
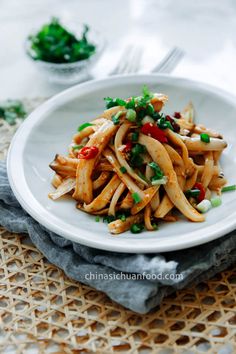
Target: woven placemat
pixel 44 311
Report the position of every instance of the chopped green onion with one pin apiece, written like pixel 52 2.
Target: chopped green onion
pixel 204 206
pixel 83 126
pixel 134 136
pixel 77 147
pixel 157 181
pixel 192 193
pixel 158 172
pixel 135 159
pixel 136 197
pixel 123 169
pixel 141 102
pixel 116 117
pixel 155 226
pixel 131 115
pixel 136 228
pixel 205 137
pixel 229 188
pixel 97 219
pixel 216 201
pixel 122 217
pixel 147 119
pixel 108 218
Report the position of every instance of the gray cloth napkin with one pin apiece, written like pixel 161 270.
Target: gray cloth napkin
pixel 89 265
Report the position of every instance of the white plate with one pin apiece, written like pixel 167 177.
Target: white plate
pixel 48 130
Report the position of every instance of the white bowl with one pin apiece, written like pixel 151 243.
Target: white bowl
pixel 48 130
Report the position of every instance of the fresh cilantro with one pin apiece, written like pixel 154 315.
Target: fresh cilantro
pixel 11 110
pixel 130 104
pixel 150 110
pixel 113 102
pixel 146 92
pixel 138 149
pixel 55 44
pixel 136 228
pixel 163 123
pixel 135 159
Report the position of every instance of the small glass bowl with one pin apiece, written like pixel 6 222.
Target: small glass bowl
pixel 70 73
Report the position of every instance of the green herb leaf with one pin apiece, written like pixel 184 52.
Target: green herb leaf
pixel 163 123
pixel 146 92
pixel 55 44
pixel 138 149
pixel 113 102
pixel 83 126
pixel 150 110
pixel 134 136
pixel 135 159
pixel 77 147
pixel 108 218
pixel 155 226
pixel 130 104
pixel 97 219
pixel 10 110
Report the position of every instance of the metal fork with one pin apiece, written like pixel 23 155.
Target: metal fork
pixel 129 62
pixel 170 61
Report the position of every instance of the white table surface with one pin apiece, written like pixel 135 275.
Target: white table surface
pixel 205 29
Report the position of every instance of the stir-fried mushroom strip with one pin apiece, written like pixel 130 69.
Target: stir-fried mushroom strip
pixel 136 166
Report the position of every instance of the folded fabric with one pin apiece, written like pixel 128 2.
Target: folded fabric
pixel 137 281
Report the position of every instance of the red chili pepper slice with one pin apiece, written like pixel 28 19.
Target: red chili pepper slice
pixel 175 126
pixel 202 190
pixel 177 115
pixel 128 146
pixel 88 153
pixel 155 132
